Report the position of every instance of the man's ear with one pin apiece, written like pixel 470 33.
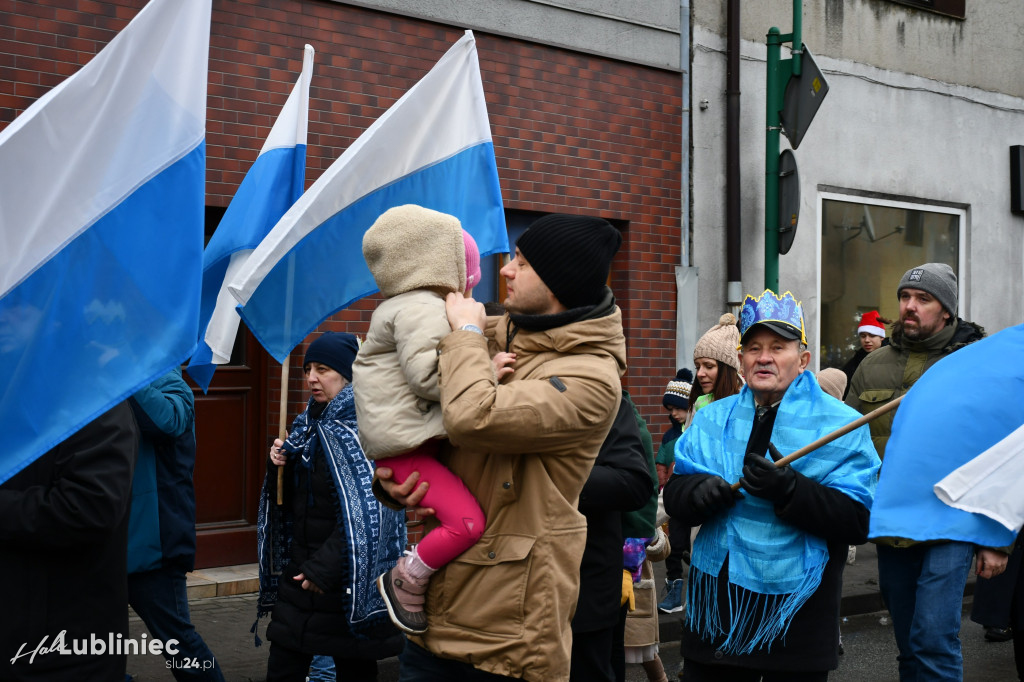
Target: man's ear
pixel 805 359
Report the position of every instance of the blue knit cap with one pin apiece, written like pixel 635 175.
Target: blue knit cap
pixel 337 350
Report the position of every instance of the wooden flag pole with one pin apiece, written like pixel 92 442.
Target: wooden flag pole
pixel 838 433
pixel 282 423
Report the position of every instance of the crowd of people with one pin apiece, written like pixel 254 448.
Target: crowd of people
pixel 545 502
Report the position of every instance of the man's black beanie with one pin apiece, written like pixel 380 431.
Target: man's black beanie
pixel 572 254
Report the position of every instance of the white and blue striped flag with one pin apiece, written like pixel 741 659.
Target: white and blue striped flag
pixel 101 230
pixel 276 179
pixel 432 147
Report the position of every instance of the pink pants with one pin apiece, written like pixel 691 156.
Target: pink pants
pixel 462 520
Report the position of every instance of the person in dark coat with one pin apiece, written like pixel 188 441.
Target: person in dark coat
pixel 766 572
pixel 63 534
pixel 619 482
pixel 322 550
pixel 162 527
pixel 871 336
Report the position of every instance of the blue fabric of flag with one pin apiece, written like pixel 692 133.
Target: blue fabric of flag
pixel 102 206
pixel 938 429
pixel 276 179
pixel 433 148
pixel 333 273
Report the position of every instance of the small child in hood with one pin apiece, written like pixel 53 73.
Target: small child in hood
pixel 417 256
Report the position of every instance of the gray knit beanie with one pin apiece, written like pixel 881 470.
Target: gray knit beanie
pixel 938 279
pixel 720 342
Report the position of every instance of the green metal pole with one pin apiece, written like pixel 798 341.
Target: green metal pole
pixel 798 37
pixel 771 163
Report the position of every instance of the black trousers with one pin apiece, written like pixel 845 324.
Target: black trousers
pixel 701 672
pixel 286 665
pixel 679 539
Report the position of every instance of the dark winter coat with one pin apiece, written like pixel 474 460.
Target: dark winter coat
pixel 890 371
pixel 63 539
pixel 162 528
pixel 619 482
pixel 303 620
pixel 813 637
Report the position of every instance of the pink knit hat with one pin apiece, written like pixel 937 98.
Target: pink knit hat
pixel 472 260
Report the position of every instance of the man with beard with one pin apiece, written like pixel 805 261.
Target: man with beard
pixel 524 441
pixel 922 583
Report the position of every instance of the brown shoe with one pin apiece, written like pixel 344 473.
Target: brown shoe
pixel 404 597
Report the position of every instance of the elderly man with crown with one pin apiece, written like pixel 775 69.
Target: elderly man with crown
pixel 766 573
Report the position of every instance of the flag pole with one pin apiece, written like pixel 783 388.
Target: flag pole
pixel 282 423
pixel 838 433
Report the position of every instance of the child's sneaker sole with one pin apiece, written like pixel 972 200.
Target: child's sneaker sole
pixel 413 623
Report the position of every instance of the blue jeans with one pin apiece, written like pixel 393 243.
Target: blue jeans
pixel 322 669
pixel 923 588
pixel 419 665
pixel 161 600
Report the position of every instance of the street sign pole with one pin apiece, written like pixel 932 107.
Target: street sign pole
pixel 771 163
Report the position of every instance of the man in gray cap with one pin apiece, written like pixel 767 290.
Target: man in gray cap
pixel 922 583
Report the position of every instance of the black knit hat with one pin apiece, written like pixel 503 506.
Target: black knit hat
pixel 572 254
pixel 678 392
pixel 337 350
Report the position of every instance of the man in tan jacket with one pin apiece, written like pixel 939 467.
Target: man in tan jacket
pixel 524 446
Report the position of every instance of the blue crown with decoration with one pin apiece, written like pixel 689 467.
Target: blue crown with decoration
pixel 770 307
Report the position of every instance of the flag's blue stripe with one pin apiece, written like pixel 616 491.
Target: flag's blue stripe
pixel 933 435
pixel 268 190
pixel 116 308
pixel 322 287
pixel 274 181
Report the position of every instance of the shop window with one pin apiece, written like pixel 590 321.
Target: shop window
pixel 866 247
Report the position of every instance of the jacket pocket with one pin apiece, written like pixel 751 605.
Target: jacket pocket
pixel 485 587
pixel 876 397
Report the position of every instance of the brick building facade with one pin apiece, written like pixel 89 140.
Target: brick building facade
pixel 573 132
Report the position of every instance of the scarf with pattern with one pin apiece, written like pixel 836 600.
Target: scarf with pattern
pixel 374 534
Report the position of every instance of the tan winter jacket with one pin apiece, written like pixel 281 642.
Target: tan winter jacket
pixel 524 448
pixel 414 254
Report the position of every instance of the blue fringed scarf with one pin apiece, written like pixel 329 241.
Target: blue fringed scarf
pixel 774 567
pixel 374 534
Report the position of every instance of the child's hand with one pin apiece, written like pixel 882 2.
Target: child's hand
pixel 503 362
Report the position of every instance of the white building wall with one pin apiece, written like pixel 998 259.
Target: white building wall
pixel 878 130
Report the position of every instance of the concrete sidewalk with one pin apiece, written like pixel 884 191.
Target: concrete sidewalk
pixel 223 603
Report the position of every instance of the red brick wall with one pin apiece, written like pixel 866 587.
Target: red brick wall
pixel 572 132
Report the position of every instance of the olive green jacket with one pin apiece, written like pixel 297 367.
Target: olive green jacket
pixel 890 371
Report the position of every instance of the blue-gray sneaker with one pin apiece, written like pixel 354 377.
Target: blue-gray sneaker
pixel 673 601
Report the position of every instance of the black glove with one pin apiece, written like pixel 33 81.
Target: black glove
pixel 761 478
pixel 713 495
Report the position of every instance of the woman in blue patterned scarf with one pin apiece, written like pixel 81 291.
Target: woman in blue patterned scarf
pixel 321 551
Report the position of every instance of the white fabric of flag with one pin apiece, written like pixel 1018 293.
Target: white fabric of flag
pixel 101 230
pixel 433 147
pixel 991 484
pixel 274 181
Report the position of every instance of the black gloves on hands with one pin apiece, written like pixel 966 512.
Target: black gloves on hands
pixel 761 478
pixel 713 495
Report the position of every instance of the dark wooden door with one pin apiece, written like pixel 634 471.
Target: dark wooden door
pixel 231 449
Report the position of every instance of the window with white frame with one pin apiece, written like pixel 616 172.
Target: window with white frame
pixel 866 247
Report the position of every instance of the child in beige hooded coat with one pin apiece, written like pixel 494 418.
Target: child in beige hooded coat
pixel 417 256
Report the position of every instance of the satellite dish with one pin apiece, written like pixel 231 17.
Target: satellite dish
pixel 789 200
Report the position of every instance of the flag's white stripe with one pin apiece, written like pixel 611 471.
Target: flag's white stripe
pixel 991 483
pixel 441 116
pixel 157 119
pixel 293 121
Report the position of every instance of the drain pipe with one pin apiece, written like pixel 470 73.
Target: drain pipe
pixel 733 268
pixel 684 63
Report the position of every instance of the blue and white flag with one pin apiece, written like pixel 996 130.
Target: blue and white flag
pixel 938 429
pixel 101 230
pixel 432 147
pixel 276 179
